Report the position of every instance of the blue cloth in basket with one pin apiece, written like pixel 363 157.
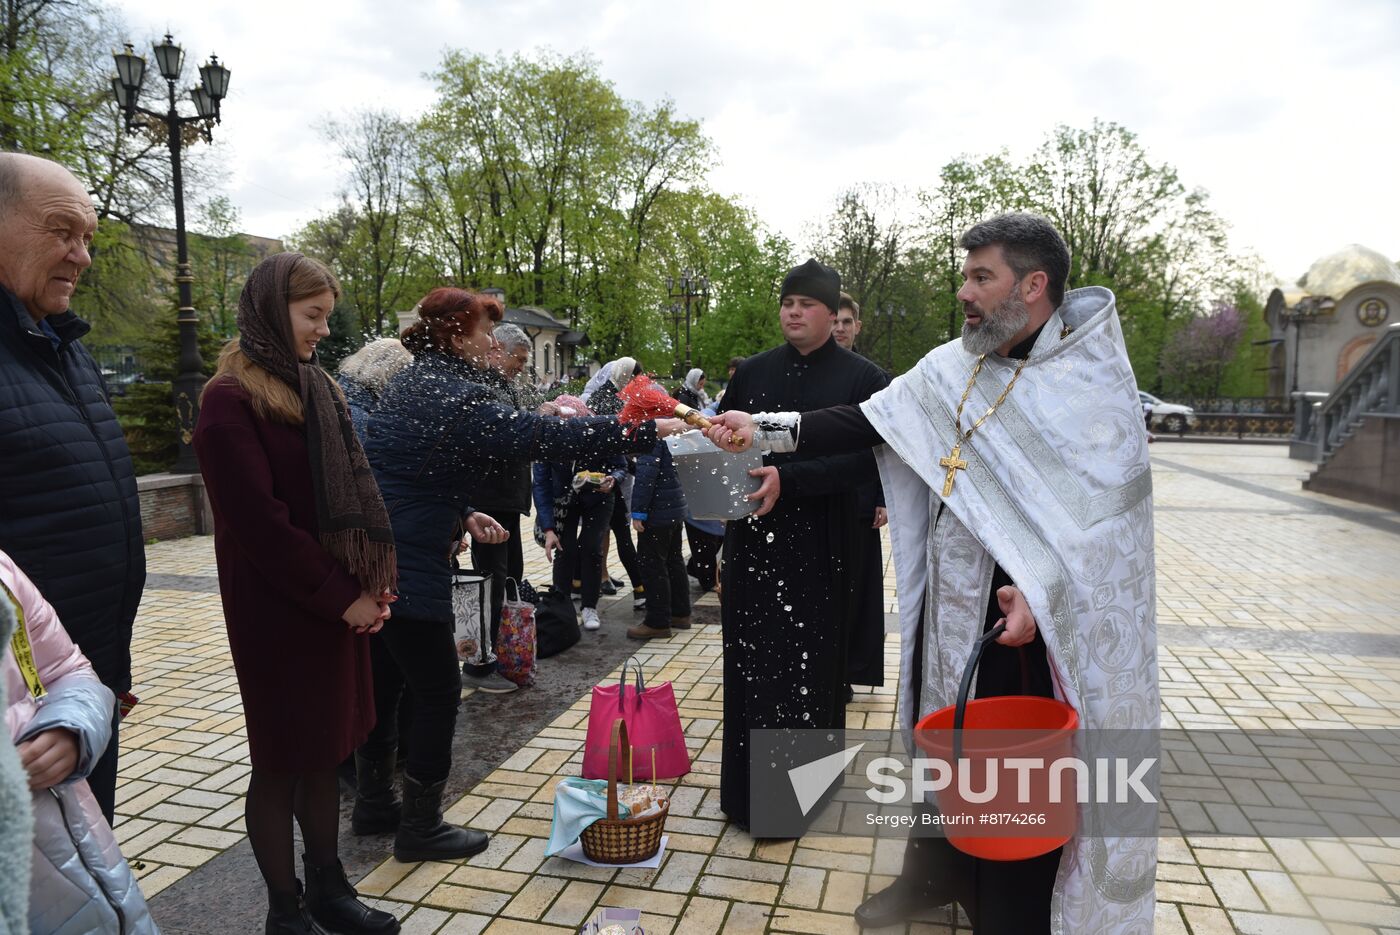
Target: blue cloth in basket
pixel 577 804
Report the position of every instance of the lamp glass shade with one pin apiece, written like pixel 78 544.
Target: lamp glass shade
pixel 122 94
pixel 131 68
pixel 215 77
pixel 170 58
pixel 203 102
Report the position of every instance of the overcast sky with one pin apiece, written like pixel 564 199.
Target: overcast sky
pixel 1285 111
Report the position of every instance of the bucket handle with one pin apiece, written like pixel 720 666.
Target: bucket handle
pixel 960 712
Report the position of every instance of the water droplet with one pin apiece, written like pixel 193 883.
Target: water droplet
pixel 788 608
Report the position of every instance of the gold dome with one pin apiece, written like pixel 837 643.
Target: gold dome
pixel 1337 274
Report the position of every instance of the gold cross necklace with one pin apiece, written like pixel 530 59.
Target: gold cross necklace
pixel 953 463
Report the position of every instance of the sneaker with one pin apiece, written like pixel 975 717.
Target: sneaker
pixel 607 587
pixel 493 684
pixel 590 619
pixel 639 602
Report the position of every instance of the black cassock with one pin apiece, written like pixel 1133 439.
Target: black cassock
pixel 789 577
pixel 865 643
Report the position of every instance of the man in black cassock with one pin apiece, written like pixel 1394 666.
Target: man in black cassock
pixel 788 575
pixel 865 648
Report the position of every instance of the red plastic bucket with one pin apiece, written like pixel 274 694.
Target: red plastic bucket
pixel 986 746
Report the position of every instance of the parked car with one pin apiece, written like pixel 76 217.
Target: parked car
pixel 1169 417
pixel 118 381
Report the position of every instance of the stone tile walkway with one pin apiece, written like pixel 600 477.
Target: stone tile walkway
pixel 1278 608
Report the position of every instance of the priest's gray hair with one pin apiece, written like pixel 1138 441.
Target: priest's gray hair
pixel 1029 243
pixel 376 363
pixel 509 337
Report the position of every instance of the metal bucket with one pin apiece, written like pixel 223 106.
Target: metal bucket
pixel 716 481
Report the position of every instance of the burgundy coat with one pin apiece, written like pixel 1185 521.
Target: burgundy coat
pixel 305 677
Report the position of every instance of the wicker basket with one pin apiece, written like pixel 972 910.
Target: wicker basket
pixel 614 840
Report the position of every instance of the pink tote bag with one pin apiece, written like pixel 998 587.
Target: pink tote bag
pixel 653 726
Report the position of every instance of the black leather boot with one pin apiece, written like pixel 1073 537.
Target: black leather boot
pixel 334 904
pixel 286 915
pixel 376 809
pixel 422 833
pixel 898 902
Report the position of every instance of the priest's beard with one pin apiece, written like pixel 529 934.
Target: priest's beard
pixel 998 326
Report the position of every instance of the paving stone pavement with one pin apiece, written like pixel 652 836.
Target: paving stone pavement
pixel 1278 608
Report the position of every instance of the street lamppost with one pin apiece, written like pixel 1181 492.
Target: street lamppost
pixel 891 312
pixel 688 288
pixel 177 131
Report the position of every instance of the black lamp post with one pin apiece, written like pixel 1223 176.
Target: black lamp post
pixel 891 312
pixel 177 131
pixel 683 291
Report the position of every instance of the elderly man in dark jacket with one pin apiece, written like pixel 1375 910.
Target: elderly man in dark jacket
pixel 503 495
pixel 69 514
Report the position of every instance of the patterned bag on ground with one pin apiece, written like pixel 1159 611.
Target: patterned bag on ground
pixel 515 644
pixel 653 728
pixel 556 623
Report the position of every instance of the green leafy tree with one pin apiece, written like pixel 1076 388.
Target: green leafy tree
pixel 147 411
pixel 377 261
pixel 345 338
pixel 221 259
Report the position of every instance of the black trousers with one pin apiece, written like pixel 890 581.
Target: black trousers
pixel 420 657
pixel 663 574
pixel 980 886
pixel 1010 897
pixel 621 525
pixel 704 556
pixel 500 560
pixel 103 778
pixel 581 537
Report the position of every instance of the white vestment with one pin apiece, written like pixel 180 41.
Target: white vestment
pixel 1058 491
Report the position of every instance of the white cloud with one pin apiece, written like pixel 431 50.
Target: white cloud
pixel 1282 110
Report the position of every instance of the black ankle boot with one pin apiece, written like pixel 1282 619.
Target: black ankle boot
pixel 896 903
pixel 376 809
pixel 422 833
pixel 286 915
pixel 334 904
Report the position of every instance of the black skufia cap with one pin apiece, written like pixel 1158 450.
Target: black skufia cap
pixel 816 281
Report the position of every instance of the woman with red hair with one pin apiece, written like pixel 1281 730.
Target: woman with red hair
pixel 438 434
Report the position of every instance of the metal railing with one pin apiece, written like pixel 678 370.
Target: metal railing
pixel 1373 385
pixel 1244 405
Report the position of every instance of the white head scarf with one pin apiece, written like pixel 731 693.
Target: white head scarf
pixel 597 380
pixel 620 371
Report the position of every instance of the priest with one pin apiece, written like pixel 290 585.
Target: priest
pixel 789 593
pixel 1015 468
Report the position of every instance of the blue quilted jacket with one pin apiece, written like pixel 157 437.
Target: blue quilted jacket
pixel 69 514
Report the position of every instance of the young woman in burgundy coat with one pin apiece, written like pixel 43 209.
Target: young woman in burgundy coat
pixel 306 560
